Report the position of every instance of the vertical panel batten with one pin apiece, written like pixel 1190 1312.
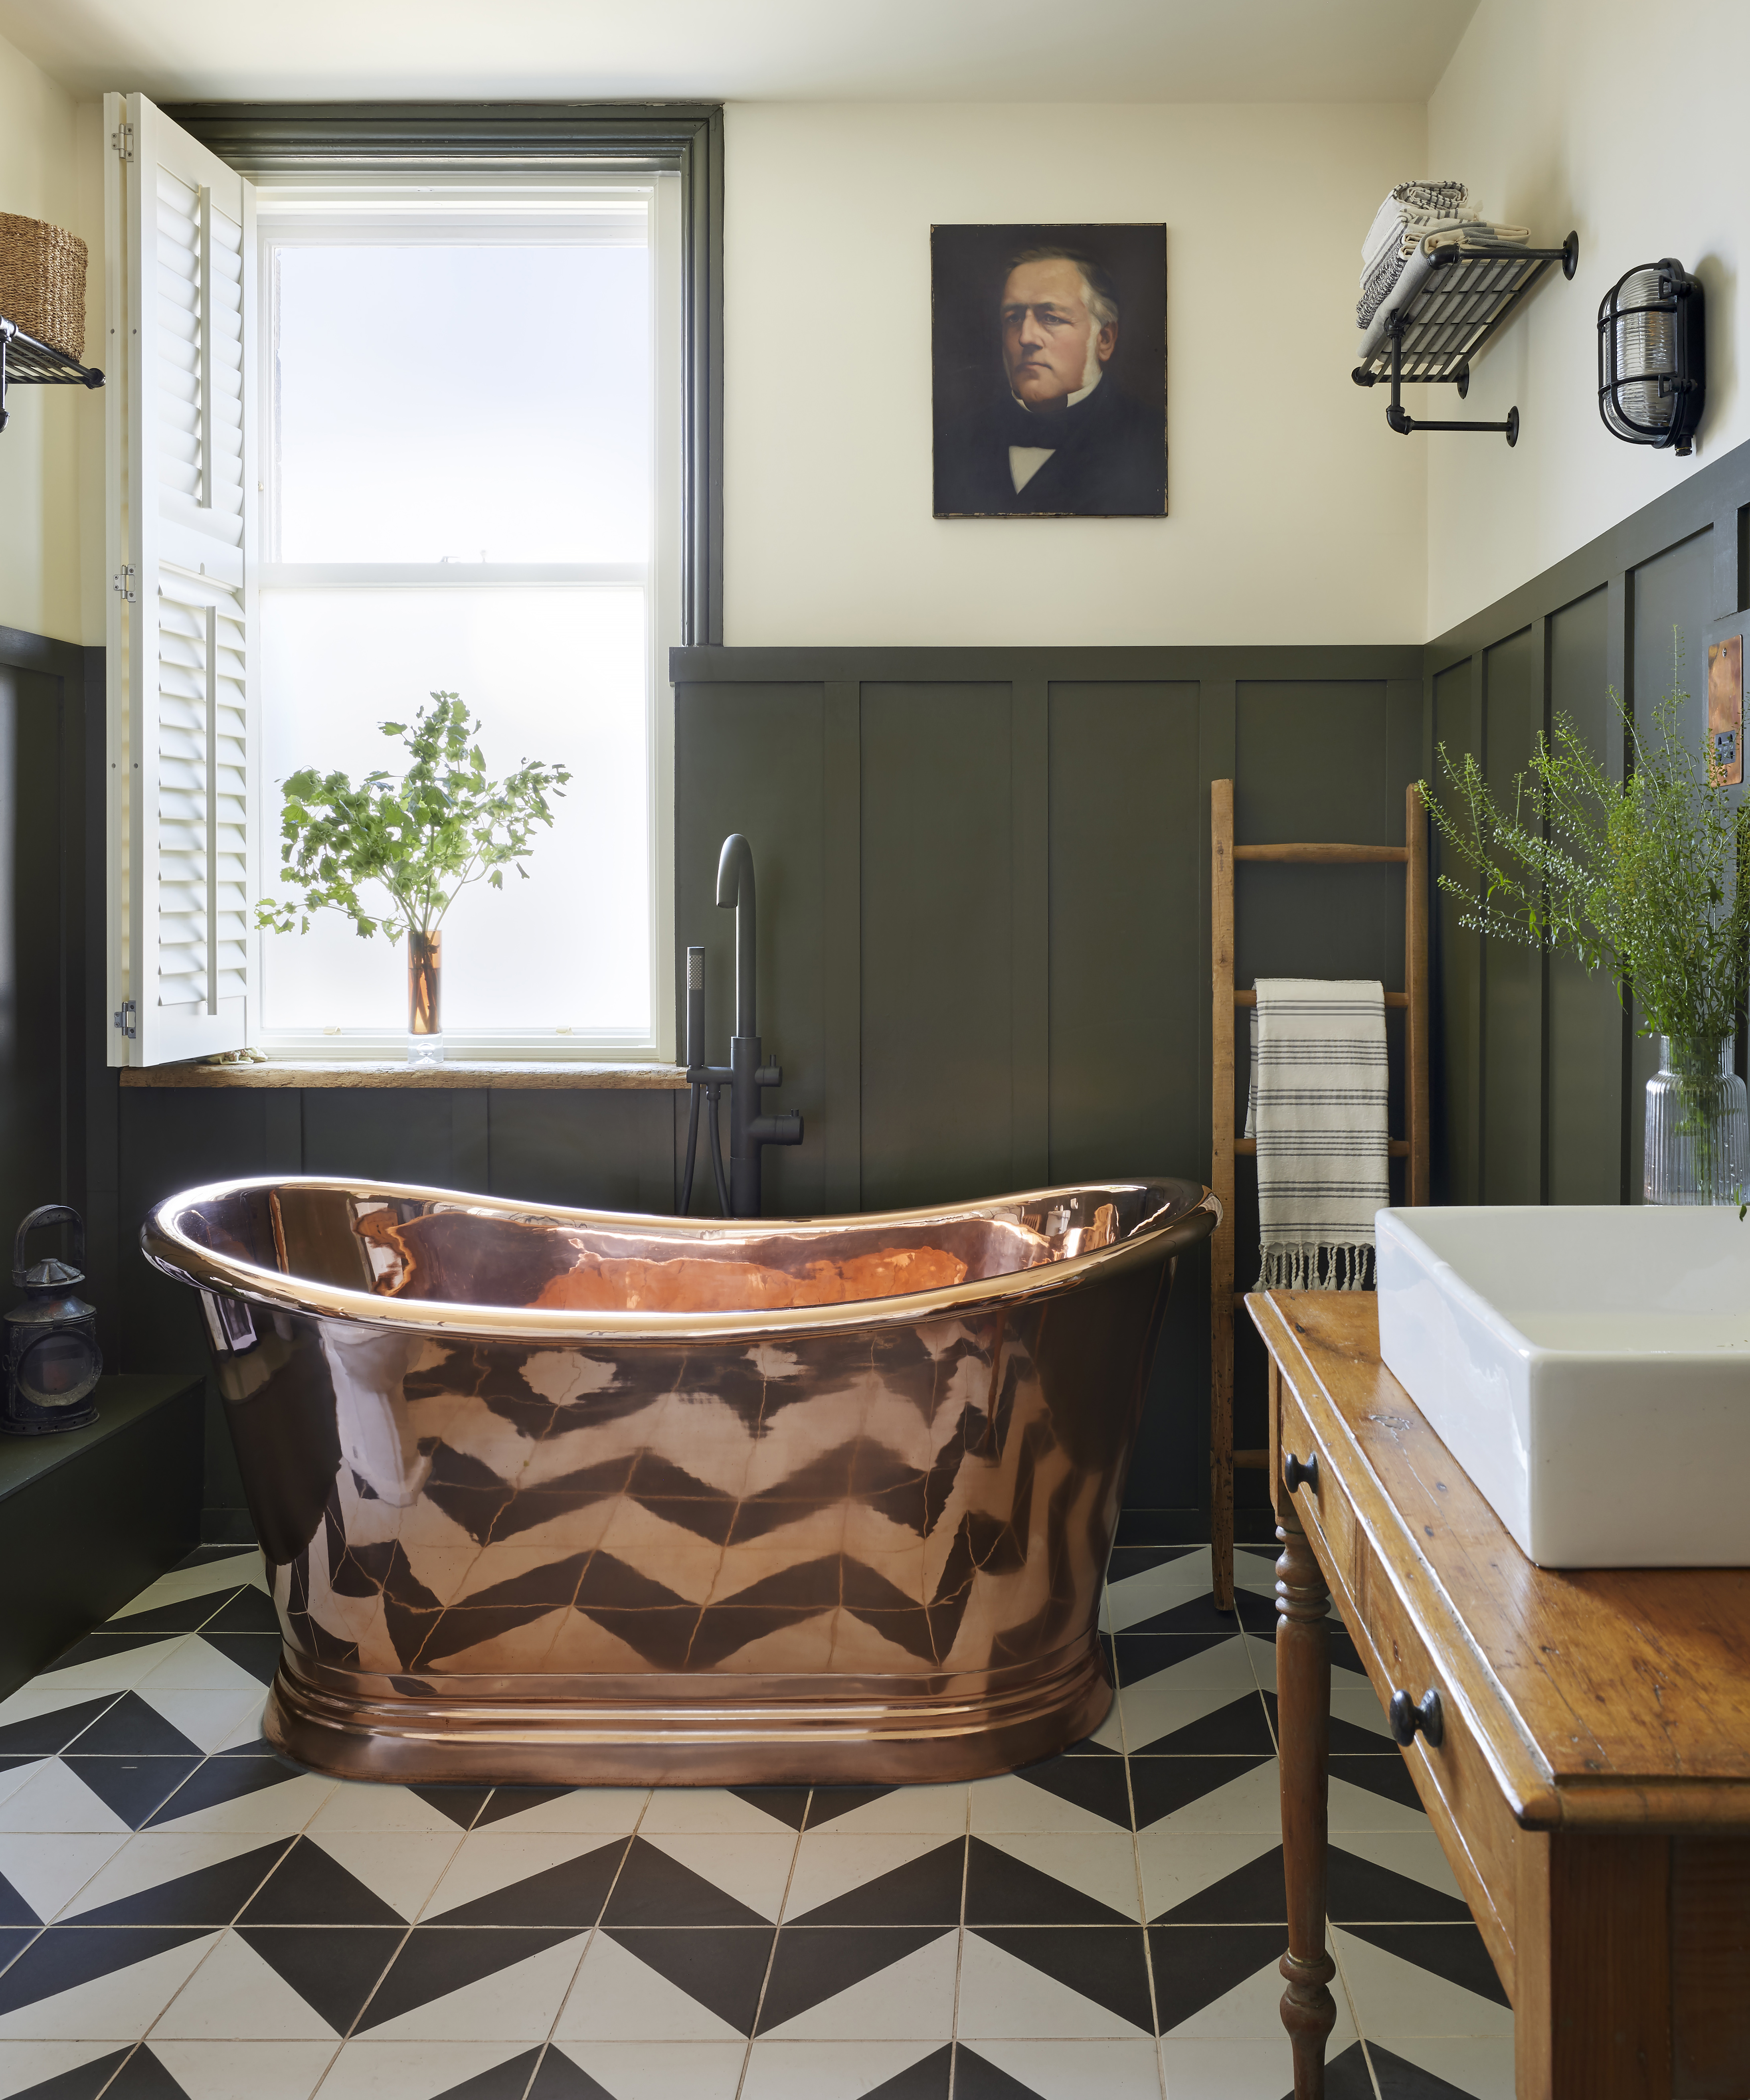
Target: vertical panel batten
pixel 1030 974
pixel 841 942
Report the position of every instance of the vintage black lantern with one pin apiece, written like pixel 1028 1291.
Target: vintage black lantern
pixel 52 1359
pixel 1652 356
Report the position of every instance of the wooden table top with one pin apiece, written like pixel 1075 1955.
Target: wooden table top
pixel 1603 1697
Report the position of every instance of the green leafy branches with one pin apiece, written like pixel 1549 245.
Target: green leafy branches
pixel 1647 877
pixel 422 837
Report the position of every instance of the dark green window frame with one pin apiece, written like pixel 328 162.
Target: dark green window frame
pixel 261 140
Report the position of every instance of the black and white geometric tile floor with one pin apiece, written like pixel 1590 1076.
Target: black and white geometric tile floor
pixel 183 1913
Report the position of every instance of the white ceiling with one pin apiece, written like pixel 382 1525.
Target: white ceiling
pixel 933 51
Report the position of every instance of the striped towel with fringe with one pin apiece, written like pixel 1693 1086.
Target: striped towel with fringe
pixel 1317 1109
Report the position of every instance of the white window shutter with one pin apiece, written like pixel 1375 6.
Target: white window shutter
pixel 180 230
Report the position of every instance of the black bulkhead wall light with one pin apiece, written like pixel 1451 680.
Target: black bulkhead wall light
pixel 1652 356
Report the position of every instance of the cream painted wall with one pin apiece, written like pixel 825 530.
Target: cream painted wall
pixel 40 465
pixel 1621 122
pixel 1295 516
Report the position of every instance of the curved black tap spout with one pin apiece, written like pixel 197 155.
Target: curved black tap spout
pixel 735 893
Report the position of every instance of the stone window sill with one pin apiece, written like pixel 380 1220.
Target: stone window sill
pixel 529 1073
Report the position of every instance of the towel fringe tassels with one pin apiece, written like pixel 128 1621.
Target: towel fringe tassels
pixel 1306 1265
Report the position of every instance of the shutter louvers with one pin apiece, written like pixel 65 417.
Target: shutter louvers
pixel 180 654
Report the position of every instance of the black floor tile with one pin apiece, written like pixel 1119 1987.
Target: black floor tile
pixel 1251 1895
pixel 438 1959
pixel 230 1529
pixel 1161 1785
pixel 1348 1739
pixel 1141 1656
pixel 248 1611
pixel 1095 1783
pixel 1455 1952
pixel 1195 1964
pixel 787 1805
pixel 1128 1560
pixel 1357 1889
pixel 310 1886
pixel 925 2079
pixel 224 1779
pixel 258 1653
pixel 814 1964
pixel 14 1940
pixel 975 2078
pixel 333 1972
pixel 925 1891
pixel 1399 2081
pixel 1198 1615
pixel 1238 1729
pixel 108 1647
pixel 13 1910
pixel 654 1889
pixel 67 1955
pixel 143 2077
pixel 1001 1890
pixel 723 1970
pixel 210 1897
pixel 558 2079
pixel 202 1556
pixel 84 2082
pixel 1346 2077
pixel 1103 1962
pixel 514 1800
pixel 133 1728
pixel 463 1805
pixel 1387 1775
pixel 177 1615
pixel 41 1734
pixel 571 1895
pixel 826 1804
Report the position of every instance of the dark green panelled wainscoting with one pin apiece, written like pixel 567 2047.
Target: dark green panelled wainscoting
pixel 1540 1075
pixel 984 910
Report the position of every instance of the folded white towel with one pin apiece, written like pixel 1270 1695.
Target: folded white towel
pixel 1317 1109
pixel 1434 200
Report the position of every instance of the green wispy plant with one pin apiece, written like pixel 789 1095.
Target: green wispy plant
pixel 1647 877
pixel 421 837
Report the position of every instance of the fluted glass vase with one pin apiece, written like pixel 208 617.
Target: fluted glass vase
pixel 424 986
pixel 1698 1125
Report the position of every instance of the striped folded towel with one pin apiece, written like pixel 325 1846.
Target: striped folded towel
pixel 1317 1110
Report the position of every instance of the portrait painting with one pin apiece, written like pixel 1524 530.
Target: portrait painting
pixel 1048 347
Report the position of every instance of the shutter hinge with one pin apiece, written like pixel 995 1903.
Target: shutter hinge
pixel 125 1020
pixel 121 141
pixel 122 584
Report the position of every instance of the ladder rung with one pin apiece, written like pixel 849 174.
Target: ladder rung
pixel 1394 999
pixel 1252 1462
pixel 1328 853
pixel 1246 1148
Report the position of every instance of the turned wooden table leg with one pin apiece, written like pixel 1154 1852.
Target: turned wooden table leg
pixel 1303 1697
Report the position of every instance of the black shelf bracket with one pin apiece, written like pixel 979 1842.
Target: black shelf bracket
pixel 25 362
pixel 1454 311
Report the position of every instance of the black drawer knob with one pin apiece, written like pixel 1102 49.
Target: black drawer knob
pixel 1403 1720
pixel 1297 1472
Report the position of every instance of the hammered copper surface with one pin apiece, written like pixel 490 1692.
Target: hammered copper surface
pixel 556 1496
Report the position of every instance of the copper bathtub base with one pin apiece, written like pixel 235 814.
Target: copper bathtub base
pixel 773 1732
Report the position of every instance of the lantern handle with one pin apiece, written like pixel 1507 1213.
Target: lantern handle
pixel 49 1214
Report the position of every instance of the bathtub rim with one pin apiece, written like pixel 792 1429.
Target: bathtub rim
pixel 174 1254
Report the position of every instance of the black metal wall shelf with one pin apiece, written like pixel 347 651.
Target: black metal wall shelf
pixel 25 362
pixel 1440 314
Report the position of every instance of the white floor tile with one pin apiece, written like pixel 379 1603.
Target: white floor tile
pixel 152 1858
pixel 230 2070
pixel 48 1868
pixel 661 2071
pixel 42 1695
pixel 1359 1705
pixel 825 2070
pixel 402 1866
pixel 195 1664
pixel 235 1996
pixel 353 1805
pixel 119 1671
pixel 831 1862
pixel 54 1798
pixel 1079 2070
pixel 1133 1598
pixel 271 1811
pixel 247 1727
pixel 516 2004
pixel 210 1719
pixel 753 1869
pixel 1178 1865
pixel 1252 1802
pixel 1109 1735
pixel 204 1579
pixel 1102 1866
pixel 1359 1809
pixel 906 1811
pixel 617 1997
pixel 25 2064
pixel 611 1811
pixel 411 2070
pixel 1416 1854
pixel 114 2008
pixel 1227 2070
pixel 1395 1997
pixel 703 1812
pixel 489 1860
pixel 1010 1803
pixel 1159 1707
pixel 1253 2010
pixel 1482 2068
pixel 1226 1667
pixel 14 1776
pixel 911 2000
pixel 1002 1996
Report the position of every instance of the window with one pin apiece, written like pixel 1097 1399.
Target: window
pixel 465 449
pixel 409 399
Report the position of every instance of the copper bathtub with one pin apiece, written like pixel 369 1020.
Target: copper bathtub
pixel 567 1496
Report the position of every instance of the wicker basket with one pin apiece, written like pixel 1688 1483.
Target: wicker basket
pixel 43 282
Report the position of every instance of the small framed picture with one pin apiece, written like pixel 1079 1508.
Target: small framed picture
pixel 1048 347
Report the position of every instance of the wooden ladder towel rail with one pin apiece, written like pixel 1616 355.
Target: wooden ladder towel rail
pixel 1225 1301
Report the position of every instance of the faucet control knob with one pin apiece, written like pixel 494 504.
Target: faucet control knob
pixel 785 1129
pixel 770 1075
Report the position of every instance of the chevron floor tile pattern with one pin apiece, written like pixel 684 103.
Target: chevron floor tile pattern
pixel 185 1916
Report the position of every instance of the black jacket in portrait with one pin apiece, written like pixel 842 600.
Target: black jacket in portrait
pixel 1109 460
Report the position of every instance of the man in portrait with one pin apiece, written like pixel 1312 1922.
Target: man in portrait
pixel 1059 435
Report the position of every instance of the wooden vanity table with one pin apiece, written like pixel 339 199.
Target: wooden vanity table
pixel 1584 1758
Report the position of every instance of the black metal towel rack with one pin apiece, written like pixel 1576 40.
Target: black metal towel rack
pixel 1450 308
pixel 25 362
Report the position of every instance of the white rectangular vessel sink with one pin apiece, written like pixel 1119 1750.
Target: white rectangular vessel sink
pixel 1588 1366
